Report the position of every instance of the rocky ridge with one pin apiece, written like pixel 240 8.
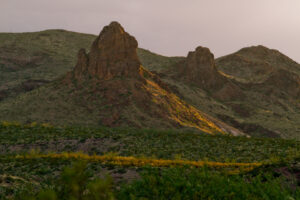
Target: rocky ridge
pixel 114 71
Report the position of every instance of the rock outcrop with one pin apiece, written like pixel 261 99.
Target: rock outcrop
pixel 112 54
pixel 199 69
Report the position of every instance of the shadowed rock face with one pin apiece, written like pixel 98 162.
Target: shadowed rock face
pixel 283 81
pixel 199 69
pixel 82 64
pixel 112 54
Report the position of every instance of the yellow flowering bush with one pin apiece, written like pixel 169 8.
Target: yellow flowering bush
pixel 7 123
pixel 139 162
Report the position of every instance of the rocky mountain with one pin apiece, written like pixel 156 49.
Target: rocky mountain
pixel 110 87
pixel 41 57
pixel 255 89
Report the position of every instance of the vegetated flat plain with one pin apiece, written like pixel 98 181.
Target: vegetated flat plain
pixel 37 174
pixel 162 144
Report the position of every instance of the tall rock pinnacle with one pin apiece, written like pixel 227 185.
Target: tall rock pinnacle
pixel 112 54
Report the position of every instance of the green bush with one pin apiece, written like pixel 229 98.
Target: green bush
pixel 176 183
pixel 74 184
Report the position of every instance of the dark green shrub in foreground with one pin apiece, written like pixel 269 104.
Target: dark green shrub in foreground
pixel 177 184
pixel 75 184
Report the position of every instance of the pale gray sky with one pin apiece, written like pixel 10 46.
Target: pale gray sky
pixel 168 27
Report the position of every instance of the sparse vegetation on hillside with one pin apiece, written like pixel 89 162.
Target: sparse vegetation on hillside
pixel 267 107
pixel 256 63
pixel 110 76
pixel 53 52
pixel 47 55
pixel 43 55
pixel 155 62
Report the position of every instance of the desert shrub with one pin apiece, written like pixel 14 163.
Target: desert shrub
pixel 179 183
pixel 74 184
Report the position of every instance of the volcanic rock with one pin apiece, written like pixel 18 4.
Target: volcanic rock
pixel 112 54
pixel 112 77
pixel 199 69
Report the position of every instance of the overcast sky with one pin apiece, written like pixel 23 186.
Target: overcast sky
pixel 168 27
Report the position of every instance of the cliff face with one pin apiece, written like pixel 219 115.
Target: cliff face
pixel 112 54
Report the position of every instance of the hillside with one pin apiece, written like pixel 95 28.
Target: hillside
pixel 268 107
pixel 256 63
pixel 29 60
pixel 110 87
pixel 255 89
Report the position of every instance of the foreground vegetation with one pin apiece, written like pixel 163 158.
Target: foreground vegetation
pixel 162 144
pixel 37 161
pixel 79 182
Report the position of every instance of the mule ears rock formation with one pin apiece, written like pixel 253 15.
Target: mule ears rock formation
pixel 112 54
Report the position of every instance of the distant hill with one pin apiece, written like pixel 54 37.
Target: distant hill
pixel 256 63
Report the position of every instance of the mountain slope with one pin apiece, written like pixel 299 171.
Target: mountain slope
pixel 109 86
pixel 29 59
pixel 263 105
pixel 256 63
pixel 255 89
